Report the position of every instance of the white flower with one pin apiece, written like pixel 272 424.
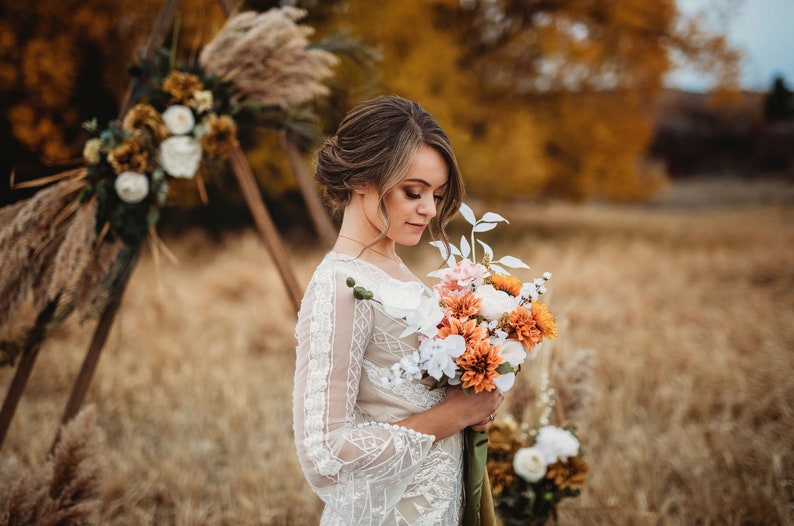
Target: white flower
pixel 438 355
pixel 91 150
pixel 180 156
pixel 555 443
pixel 132 187
pixel 425 318
pixel 514 352
pixel 179 119
pixel 528 464
pixel 202 101
pixel 406 300
pixel 493 302
pixel 504 382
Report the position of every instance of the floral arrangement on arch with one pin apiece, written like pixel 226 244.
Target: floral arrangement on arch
pixel 68 246
pixel 477 331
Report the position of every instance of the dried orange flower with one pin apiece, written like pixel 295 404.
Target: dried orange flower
pixel 524 327
pixel 145 117
pixel 462 307
pixel 510 284
pixel 501 476
pixel 504 436
pixel 221 139
pixel 544 320
pixel 181 86
pixel 568 474
pixel 129 156
pixel 479 365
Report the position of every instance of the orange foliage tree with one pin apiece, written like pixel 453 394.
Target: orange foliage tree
pixel 539 96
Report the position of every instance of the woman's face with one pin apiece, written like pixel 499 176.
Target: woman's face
pixel 412 203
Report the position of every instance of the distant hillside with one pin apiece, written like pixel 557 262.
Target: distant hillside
pixel 701 133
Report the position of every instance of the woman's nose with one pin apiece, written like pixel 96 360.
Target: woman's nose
pixel 427 206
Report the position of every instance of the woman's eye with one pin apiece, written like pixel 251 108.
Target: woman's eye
pixel 412 195
pixel 438 198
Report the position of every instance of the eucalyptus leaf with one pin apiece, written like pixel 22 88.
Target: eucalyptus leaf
pixel 513 262
pixel 467 213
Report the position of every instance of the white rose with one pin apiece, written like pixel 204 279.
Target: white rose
pixel 514 352
pixel 528 464
pixel 179 119
pixel 400 298
pixel 132 187
pixel 555 443
pixel 504 382
pixel 494 303
pixel 180 156
pixel 425 318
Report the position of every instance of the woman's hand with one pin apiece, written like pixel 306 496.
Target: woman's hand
pixel 478 409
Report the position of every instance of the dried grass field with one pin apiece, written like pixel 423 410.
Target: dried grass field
pixel 675 362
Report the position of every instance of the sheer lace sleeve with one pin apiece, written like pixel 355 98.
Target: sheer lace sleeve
pixel 359 468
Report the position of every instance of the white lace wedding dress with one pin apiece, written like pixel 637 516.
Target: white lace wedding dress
pixel 365 469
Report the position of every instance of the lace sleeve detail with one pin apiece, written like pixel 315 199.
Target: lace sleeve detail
pixel 355 468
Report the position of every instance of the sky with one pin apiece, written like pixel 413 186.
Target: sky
pixel 763 30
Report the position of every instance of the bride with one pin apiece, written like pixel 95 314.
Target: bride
pixel 377 452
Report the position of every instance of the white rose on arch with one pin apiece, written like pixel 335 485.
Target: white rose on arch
pixel 180 156
pixel 179 119
pixel 131 187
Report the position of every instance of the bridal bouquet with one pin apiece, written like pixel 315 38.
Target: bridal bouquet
pixel 476 332
pixel 483 323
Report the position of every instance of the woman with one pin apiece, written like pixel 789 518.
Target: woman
pixel 379 452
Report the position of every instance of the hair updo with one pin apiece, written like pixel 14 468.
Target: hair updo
pixel 375 145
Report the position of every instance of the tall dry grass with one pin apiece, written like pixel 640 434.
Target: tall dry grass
pixel 687 318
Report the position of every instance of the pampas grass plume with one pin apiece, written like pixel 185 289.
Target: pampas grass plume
pixel 66 489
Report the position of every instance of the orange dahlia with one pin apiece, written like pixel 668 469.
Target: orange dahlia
pixel 524 327
pixel 544 320
pixel 469 329
pixel 462 307
pixel 510 284
pixel 479 365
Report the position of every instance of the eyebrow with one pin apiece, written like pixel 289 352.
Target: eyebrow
pixel 423 182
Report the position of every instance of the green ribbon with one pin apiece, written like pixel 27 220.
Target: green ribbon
pixel 479 509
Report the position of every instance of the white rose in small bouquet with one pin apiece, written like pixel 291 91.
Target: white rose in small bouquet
pixel 555 443
pixel 529 464
pixel 131 187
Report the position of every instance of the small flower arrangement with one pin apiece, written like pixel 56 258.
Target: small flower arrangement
pixel 533 468
pixel 181 126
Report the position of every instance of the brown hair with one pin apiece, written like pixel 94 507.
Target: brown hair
pixel 375 144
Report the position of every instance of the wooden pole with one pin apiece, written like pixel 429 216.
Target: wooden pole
pixel 265 225
pixel 322 223
pixel 24 368
pixel 86 374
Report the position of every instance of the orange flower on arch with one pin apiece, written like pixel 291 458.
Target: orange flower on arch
pixel 479 366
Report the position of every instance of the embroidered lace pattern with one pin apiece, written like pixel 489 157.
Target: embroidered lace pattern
pixel 366 469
